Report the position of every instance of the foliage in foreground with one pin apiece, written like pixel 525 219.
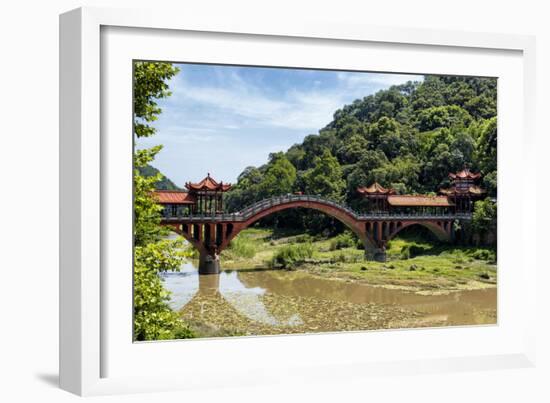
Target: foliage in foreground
pixel 153 318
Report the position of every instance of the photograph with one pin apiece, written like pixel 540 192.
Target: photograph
pixel 273 200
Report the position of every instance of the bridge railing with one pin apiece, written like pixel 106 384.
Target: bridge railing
pixel 261 205
pixel 278 200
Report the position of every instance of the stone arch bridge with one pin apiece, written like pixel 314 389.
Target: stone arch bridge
pixel 210 234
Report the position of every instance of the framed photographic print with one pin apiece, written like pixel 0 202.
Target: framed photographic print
pixel 240 198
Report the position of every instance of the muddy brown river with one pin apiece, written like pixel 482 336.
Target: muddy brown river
pixel 283 302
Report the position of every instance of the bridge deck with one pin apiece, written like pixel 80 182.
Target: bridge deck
pixel 262 205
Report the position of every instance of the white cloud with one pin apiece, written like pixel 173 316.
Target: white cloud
pixel 295 110
pixel 252 105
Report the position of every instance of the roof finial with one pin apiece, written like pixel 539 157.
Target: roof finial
pixel 208 174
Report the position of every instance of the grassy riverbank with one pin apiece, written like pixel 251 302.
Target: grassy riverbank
pixel 413 263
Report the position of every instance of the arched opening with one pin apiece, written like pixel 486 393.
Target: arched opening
pixel 432 232
pixel 416 238
pixel 301 219
pixel 341 215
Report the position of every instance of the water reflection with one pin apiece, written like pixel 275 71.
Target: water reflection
pixel 465 307
pixel 188 287
pixel 271 301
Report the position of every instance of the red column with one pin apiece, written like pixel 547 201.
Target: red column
pixel 213 234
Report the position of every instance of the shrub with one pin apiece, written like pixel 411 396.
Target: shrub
pixel 289 255
pixel 242 247
pixel 412 250
pixel 344 240
pixel 484 254
pixel 182 331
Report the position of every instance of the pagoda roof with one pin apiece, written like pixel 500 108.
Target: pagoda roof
pixel 174 197
pixel 465 174
pixel 375 189
pixel 472 190
pixel 419 200
pixel 208 183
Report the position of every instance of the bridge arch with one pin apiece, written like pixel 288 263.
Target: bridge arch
pixel 188 236
pixel 440 229
pixel 344 216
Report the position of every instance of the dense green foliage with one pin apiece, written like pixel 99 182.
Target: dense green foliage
pixel 150 84
pixel 290 255
pixel 484 218
pixel 153 318
pixel 163 183
pixel 408 137
pixel 242 247
pixel 346 239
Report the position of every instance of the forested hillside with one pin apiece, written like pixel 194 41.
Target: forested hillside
pixel 164 184
pixel 408 137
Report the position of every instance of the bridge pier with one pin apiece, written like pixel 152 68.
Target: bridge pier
pixel 209 264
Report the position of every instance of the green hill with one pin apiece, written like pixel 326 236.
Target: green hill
pixel 164 184
pixel 408 137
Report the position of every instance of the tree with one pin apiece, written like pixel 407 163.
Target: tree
pixel 429 94
pixel 150 84
pixel 442 116
pixel 484 218
pixel 279 177
pixel 352 150
pixel 147 227
pixel 153 318
pixel 325 178
pixel 487 146
pixel 247 189
pixel 382 127
pixel 401 174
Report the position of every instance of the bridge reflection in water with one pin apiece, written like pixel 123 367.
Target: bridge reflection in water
pixel 225 291
pixel 272 302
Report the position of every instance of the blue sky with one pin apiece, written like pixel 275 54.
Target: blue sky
pixel 221 119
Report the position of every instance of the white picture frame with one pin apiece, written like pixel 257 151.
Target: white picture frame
pixel 90 340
